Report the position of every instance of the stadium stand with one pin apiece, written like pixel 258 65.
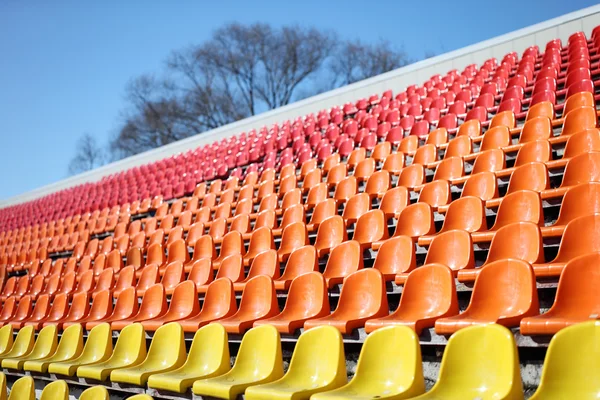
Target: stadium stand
pixel 452 226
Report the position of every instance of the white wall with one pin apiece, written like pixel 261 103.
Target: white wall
pixel 397 80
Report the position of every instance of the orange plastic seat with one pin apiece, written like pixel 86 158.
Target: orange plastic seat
pixel 576 298
pixel 429 294
pixel 231 268
pixel 148 277
pixel 395 256
pixel 504 118
pixel 412 176
pixel 364 170
pixel 581 236
pixel 173 275
pixel 24 309
pixel 294 213
pixel 425 154
pixel 219 302
pixel 466 213
pixel 370 227
pixel 580 200
pixel 519 241
pixel 345 189
pixel 184 304
pixel 154 304
pixel 300 261
pixel 543 108
pixel 583 168
pixel 437 136
pixel 535 129
pixel 504 293
pixel 436 193
pixel 101 308
pixel 125 307
pixel 258 301
pixel 519 206
pixel 78 309
pixel 578 143
pixel 201 272
pixel 356 206
pixel 218 228
pixel 531 176
pixel 344 259
pixel 232 244
pixel 414 221
pixel 39 312
pixel 58 311
pixel 307 299
pixel 316 195
pixel 576 120
pixel 265 263
pixel 381 151
pixel 294 236
pixel 363 297
pixel 453 249
pixel 394 163
pixel 261 240
pixel 394 201
pixel 125 280
pixel 331 232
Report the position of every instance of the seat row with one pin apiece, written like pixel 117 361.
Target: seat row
pixel 429 299
pixel 389 363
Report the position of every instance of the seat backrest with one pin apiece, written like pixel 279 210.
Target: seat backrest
pixel 344 259
pixel 231 267
pixel 453 248
pixel 260 354
pixel 581 236
pixel 531 176
pixel 415 220
pixel 363 294
pixel 520 241
pixel 581 169
pixel 396 255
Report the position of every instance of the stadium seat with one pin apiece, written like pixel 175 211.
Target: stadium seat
pixel 512 283
pixel 22 344
pixel 23 389
pixel 183 304
pixel 98 347
pixel 307 298
pixel 572 346
pixel 395 256
pixel 154 304
pixel 208 357
pixel 57 390
pixel 318 364
pixel 130 350
pixel 429 294
pixel 389 364
pixel 95 393
pixel 520 241
pixel 580 237
pixel 258 301
pixel 44 346
pixel 363 296
pixel 219 302
pixel 414 221
pixel 166 353
pixel 331 232
pixel 488 349
pixel 125 307
pixel 302 260
pixel 344 259
pixel 259 360
pixel 69 347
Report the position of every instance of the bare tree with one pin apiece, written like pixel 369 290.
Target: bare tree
pixel 240 71
pixel 89 155
pixel 357 61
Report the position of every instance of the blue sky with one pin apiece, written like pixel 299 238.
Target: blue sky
pixel 64 64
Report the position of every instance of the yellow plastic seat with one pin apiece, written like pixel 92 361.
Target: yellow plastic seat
pixel 95 393
pixel 23 343
pixel 479 362
pixel 44 346
pixel 130 350
pixel 2 386
pixel 166 353
pixel 389 367
pixel 98 347
pixel 69 347
pixel 572 364
pixel 318 364
pixel 208 357
pixel 141 397
pixel 6 339
pixel 259 361
pixel 23 389
pixel 57 390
